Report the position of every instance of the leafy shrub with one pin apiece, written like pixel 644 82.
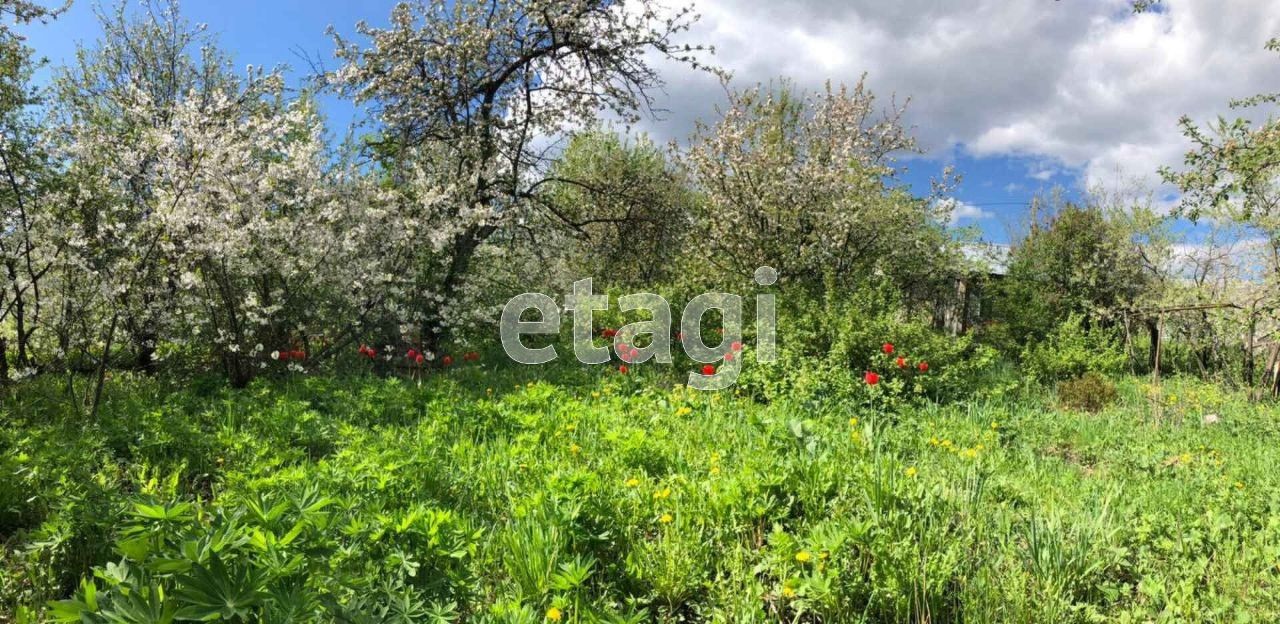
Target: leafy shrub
pixel 1071 350
pixel 1090 392
pixel 827 345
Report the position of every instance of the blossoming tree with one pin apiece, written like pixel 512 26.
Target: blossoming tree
pixel 469 99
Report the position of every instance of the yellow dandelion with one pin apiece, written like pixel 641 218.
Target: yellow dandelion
pixel 554 614
pixel 570 427
pixel 853 422
pixel 715 470
pixel 575 449
pixel 1239 485
pixel 803 556
pixel 595 394
pixel 684 410
pixel 911 472
pixel 663 493
pixel 934 442
pixel 994 425
pixel 787 592
pixel 666 518
pixel 633 482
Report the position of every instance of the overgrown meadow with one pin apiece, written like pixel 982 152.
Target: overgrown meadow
pixel 490 492
pixel 250 364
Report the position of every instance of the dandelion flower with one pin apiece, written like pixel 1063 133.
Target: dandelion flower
pixel 911 472
pixel 787 592
pixel 666 518
pixel 554 614
pixel 633 482
pixel 803 556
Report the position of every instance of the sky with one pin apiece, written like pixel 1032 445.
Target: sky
pixel 1020 96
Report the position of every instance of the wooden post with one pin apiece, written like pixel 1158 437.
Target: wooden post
pixel 1155 369
pixel 1250 346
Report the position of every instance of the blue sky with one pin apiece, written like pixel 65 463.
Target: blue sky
pixel 1059 95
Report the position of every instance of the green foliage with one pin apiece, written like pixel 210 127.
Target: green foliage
pixel 830 342
pixel 1090 392
pixel 630 208
pixel 501 494
pixel 1072 349
pixel 1081 263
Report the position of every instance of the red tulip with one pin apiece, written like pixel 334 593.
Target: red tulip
pixel 284 356
pixel 622 369
pixel 887 348
pixel 923 366
pixel 447 360
pixel 872 378
pixel 736 346
pixel 902 362
pixel 708 370
pixel 635 353
pixel 411 354
pixel 609 332
pixel 418 359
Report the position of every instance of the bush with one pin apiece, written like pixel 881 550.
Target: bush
pixel 1089 392
pixel 828 343
pixel 1071 350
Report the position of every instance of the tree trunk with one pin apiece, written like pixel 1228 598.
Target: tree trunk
pixel 1153 330
pixel 20 326
pixel 1249 347
pixel 4 360
pixel 434 330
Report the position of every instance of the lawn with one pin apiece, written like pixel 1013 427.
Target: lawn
pixel 519 494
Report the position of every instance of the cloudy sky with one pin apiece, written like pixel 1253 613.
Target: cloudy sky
pixel 1020 95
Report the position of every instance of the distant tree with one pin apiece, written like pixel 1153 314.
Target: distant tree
pixel 1080 262
pixel 806 184
pixel 631 206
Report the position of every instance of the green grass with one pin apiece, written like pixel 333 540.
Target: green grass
pixel 487 495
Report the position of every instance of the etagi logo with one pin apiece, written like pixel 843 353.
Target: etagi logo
pixel 582 303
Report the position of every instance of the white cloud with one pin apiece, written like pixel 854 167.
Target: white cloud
pixel 1083 85
pixel 964 211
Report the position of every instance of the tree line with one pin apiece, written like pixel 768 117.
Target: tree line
pixel 160 209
